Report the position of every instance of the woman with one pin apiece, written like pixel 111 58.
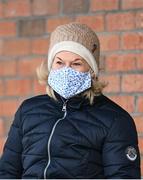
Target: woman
pixel 74 131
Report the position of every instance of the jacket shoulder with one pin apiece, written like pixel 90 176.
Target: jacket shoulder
pixel 113 107
pixel 110 112
pixel 34 102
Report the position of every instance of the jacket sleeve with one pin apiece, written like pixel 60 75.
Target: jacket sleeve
pixel 10 162
pixel 121 158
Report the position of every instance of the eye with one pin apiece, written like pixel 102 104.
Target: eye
pixel 77 64
pixel 59 62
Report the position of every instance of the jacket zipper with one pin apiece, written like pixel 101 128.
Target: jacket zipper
pixel 51 135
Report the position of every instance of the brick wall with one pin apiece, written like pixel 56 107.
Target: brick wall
pixel 25 27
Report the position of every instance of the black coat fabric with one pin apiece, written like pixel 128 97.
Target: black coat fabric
pixel 92 141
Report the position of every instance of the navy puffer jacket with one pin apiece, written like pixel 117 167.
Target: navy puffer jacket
pixel 71 139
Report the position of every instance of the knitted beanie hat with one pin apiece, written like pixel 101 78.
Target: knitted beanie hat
pixel 77 38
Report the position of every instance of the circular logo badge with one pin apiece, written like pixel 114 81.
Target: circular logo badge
pixel 131 153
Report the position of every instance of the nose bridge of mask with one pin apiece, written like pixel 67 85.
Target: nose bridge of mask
pixel 66 71
pixel 69 75
pixel 69 70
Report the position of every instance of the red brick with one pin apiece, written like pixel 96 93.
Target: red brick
pixel 132 4
pixel 127 102
pixel 16 47
pixel 1 47
pixel 113 83
pixel 18 87
pixel 45 7
pixel 109 42
pixel 103 5
pixel 139 19
pixel 2 127
pixel 116 63
pixel 7 29
pixel 1 9
pixel 53 23
pixel 7 68
pixel 140 104
pixel 8 107
pixel 1 88
pixel 14 8
pixel 75 7
pixel 95 22
pixel 38 88
pixel 27 67
pixel 132 41
pixel 141 144
pixel 2 142
pixel 32 27
pixel 40 46
pixel 132 83
pixel 139 123
pixel 120 21
pixel 140 62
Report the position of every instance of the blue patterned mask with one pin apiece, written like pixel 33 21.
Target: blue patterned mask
pixel 68 82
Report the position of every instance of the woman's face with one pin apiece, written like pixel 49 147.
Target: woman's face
pixel 69 59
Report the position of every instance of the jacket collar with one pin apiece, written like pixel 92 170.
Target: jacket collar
pixel 77 101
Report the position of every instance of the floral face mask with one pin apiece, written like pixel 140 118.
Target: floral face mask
pixel 68 82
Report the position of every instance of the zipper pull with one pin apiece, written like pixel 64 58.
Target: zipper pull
pixel 64 106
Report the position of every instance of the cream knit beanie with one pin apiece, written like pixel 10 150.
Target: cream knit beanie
pixel 77 38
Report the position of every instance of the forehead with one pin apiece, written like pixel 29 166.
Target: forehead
pixel 66 55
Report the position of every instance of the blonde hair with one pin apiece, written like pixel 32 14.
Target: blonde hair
pixel 95 90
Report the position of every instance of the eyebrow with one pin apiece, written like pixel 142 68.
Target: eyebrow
pixel 77 59
pixel 59 58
